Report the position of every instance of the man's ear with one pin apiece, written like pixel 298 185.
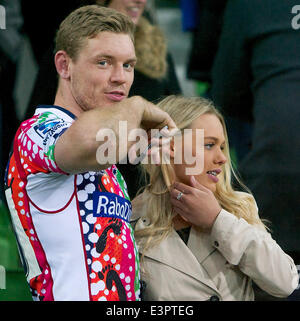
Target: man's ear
pixel 62 61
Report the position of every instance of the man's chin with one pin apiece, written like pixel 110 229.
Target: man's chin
pixel 107 102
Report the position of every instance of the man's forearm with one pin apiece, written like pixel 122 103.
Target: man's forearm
pixel 76 149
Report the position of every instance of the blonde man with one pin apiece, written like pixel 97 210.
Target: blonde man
pixel 65 203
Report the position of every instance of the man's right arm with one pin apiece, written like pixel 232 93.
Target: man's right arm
pixel 76 149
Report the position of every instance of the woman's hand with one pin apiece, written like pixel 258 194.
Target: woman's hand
pixel 197 204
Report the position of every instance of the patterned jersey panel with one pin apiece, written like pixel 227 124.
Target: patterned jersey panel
pixel 32 155
pixel 110 246
pixel 88 214
pixel 37 140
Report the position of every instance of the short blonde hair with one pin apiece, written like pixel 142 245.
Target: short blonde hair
pixel 87 22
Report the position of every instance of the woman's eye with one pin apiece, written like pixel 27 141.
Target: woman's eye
pixel 209 146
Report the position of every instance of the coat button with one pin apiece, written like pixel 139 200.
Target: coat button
pixel 214 298
pixel 216 243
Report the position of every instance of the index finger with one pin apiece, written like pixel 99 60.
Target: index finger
pixel 197 185
pixel 168 126
pixel 186 189
pixel 168 133
pixel 154 117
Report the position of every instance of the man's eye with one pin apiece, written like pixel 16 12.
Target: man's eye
pixel 102 63
pixel 128 66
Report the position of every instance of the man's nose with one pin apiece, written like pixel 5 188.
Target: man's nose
pixel 118 75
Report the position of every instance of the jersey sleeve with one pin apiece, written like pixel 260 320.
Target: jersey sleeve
pixel 36 142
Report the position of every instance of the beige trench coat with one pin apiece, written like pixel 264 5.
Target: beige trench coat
pixel 217 266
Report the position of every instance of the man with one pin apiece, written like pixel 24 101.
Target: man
pixel 71 212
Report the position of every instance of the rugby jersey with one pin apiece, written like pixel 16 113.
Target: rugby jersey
pixel 73 232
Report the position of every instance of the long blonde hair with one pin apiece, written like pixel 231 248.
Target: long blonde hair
pixel 159 211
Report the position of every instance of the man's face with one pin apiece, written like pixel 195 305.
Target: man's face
pixel 102 74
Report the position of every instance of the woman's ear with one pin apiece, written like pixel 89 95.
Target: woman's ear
pixel 172 149
pixel 62 61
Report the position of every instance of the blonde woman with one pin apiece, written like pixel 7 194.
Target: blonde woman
pixel 198 237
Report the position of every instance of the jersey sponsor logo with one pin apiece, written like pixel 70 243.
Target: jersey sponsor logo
pixel 47 126
pixel 111 205
pixel 42 129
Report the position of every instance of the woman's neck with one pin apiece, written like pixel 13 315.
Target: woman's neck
pixel 180 223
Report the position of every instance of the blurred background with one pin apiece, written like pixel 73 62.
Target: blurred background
pixel 244 55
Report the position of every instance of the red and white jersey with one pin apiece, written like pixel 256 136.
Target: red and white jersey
pixel 73 231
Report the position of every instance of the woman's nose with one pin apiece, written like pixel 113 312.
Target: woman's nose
pixel 220 157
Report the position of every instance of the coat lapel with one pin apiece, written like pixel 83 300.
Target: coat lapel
pixel 200 245
pixel 173 252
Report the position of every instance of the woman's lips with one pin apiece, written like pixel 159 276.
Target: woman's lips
pixel 213 175
pixel 213 178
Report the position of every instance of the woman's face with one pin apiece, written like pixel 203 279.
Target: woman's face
pixel 211 148
pixel 133 8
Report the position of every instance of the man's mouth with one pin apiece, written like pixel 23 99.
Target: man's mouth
pixel 116 95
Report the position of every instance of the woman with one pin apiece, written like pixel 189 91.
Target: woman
pixel 200 239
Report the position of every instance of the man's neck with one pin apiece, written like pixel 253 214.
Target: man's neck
pixel 64 99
